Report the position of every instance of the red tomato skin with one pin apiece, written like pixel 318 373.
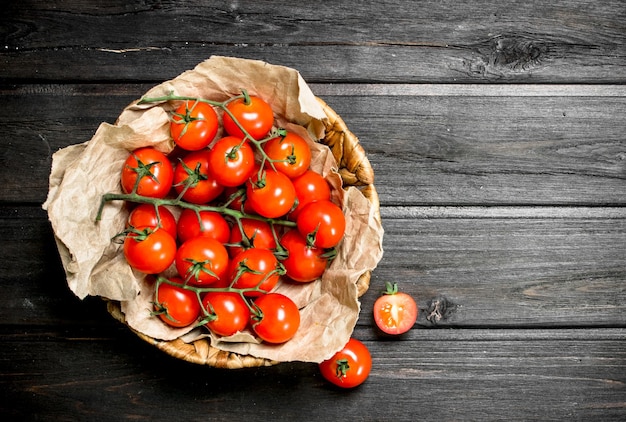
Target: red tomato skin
pixel 156 186
pixel 325 219
pixel 280 318
pixel 231 311
pixel 200 249
pixel 202 191
pixel 182 305
pixel 144 215
pixel 152 255
pixel 303 263
pixel 231 168
pixel 274 199
pixel 205 223
pixel 258 232
pixel 359 360
pixel 257 117
pixel 194 125
pixel 310 186
pixel 395 313
pixel 282 148
pixel 263 264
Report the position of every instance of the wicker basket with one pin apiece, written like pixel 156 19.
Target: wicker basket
pixel 355 170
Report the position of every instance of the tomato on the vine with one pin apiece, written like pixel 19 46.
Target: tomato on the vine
pixel 229 312
pixel 310 186
pixel 304 263
pixel 194 125
pixel 149 250
pixel 149 170
pixel 277 318
pixel 145 215
pixel 258 234
pixel 271 195
pixel 323 222
pixel 253 113
pixel 231 161
pixel 203 223
pixel 349 367
pixel 193 177
pixel 202 261
pixel 255 267
pixel 175 305
pixel 395 312
pixel 289 154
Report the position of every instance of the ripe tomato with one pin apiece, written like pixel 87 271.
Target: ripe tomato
pixel 323 222
pixel 149 250
pixel 349 367
pixel 204 223
pixel 254 267
pixel 255 116
pixel 150 170
pixel 194 125
pixel 229 311
pixel 231 161
pixel 395 312
pixel 310 186
pixel 145 215
pixel 291 153
pixel 202 261
pixel 175 305
pixel 272 195
pixel 192 176
pixel 258 234
pixel 304 263
pixel 277 320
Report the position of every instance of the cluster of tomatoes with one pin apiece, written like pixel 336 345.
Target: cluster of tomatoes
pixel 250 212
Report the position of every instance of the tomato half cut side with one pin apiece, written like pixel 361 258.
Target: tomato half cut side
pixel 395 312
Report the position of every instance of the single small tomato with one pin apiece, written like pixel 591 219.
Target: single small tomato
pixel 149 250
pixel 147 172
pixel 202 261
pixel 289 154
pixel 193 179
pixel 303 263
pixel 395 312
pixel 231 161
pixel 349 367
pixel 323 222
pixel 194 125
pixel 175 305
pixel 148 215
pixel 228 311
pixel 271 195
pixel 277 318
pixel 255 268
pixel 203 223
pixel 253 113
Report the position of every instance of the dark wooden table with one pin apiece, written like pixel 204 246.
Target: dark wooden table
pixel 497 132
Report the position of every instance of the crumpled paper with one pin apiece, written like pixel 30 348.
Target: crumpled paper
pixel 95 266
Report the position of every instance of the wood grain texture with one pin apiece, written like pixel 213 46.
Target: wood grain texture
pixel 388 41
pixel 496 133
pixel 452 148
pixel 454 374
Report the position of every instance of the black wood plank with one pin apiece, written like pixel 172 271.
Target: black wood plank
pixel 445 145
pixel 475 268
pixel 388 41
pixel 453 374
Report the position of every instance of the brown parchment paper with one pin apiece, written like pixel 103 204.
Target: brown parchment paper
pixel 95 265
